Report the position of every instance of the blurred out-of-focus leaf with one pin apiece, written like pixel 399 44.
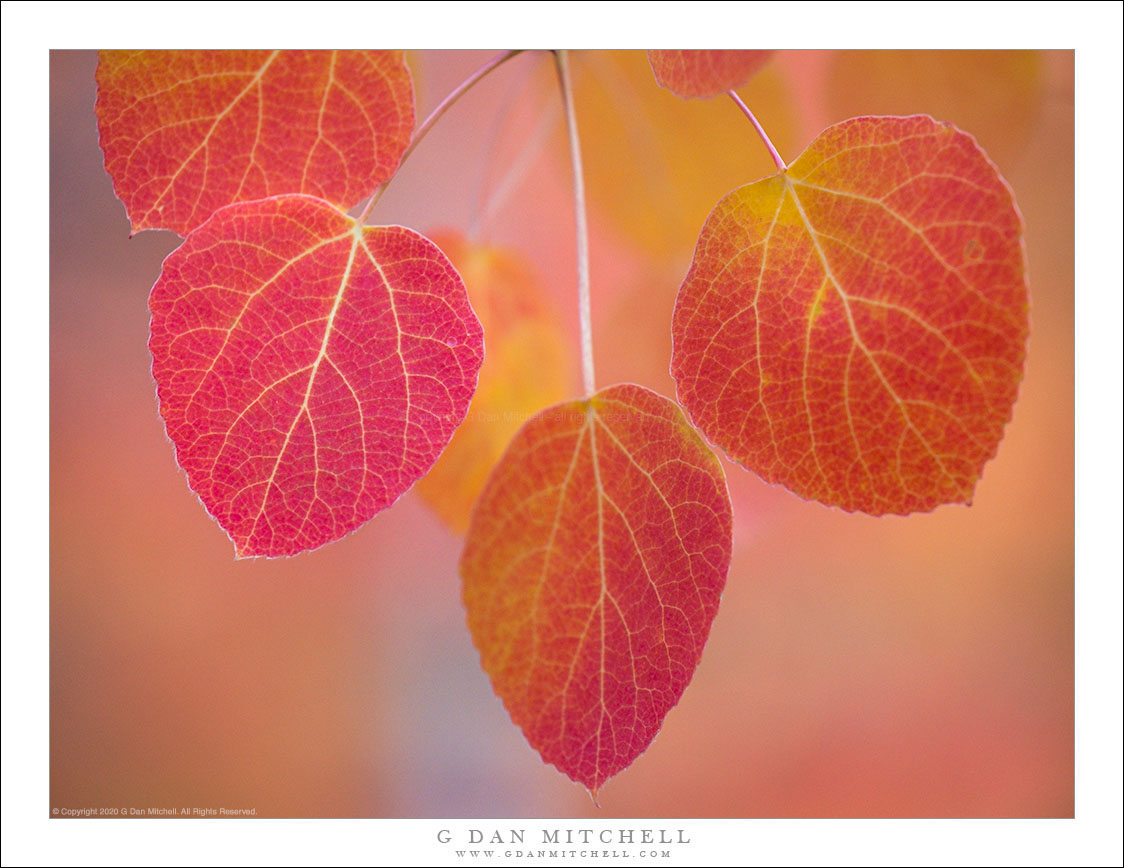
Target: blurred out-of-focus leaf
pixel 655 165
pixel 527 366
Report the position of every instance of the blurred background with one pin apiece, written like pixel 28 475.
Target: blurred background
pixel 857 667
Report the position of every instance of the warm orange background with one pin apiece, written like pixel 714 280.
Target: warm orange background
pixel 857 667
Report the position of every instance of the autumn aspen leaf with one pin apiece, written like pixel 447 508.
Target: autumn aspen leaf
pixel 187 132
pixel 702 74
pixel 309 369
pixel 854 327
pixel 592 572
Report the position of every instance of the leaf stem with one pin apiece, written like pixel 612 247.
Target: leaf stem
pixel 434 116
pixel 760 131
pixel 584 315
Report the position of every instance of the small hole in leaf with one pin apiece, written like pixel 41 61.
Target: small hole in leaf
pixel 973 250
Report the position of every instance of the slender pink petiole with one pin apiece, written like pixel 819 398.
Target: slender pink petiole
pixel 584 315
pixel 435 115
pixel 760 131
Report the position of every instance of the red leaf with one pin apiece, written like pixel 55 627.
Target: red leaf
pixel 187 132
pixel 309 370
pixel 592 571
pixel 855 327
pixel 701 74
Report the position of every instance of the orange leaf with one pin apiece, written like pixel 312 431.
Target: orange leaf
pixel 702 74
pixel 308 369
pixel 592 572
pixel 855 327
pixel 187 132
pixel 527 367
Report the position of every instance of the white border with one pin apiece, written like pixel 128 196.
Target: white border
pixel 1094 30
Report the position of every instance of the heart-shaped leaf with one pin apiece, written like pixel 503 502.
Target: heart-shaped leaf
pixel 309 369
pixel 592 572
pixel 854 328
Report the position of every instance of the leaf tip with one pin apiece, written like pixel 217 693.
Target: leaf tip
pixel 694 74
